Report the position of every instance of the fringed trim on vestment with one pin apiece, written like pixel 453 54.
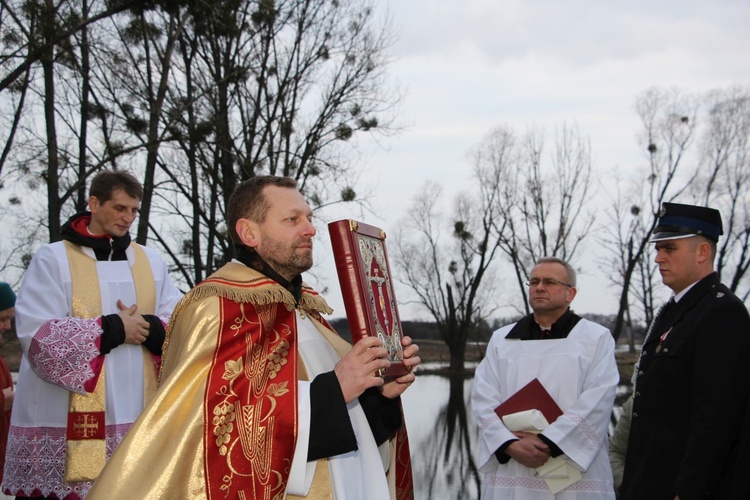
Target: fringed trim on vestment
pixel 239 283
pixel 311 301
pixel 258 293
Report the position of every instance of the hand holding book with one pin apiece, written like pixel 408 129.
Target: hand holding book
pixel 531 409
pixel 396 386
pixel 359 369
pixel 529 450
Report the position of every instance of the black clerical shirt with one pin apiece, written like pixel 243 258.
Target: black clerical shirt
pixel 528 329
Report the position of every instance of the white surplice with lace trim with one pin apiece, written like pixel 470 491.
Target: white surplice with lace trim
pixel 580 374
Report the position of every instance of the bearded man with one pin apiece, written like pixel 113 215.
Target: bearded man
pixel 259 397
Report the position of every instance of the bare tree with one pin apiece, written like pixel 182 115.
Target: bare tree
pixel 624 222
pixel 194 98
pixel 724 180
pixel 26 30
pixel 518 208
pixel 70 96
pixel 266 88
pixel 450 279
pixel 669 123
pixel 543 207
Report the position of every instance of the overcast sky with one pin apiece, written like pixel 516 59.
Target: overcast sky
pixel 468 66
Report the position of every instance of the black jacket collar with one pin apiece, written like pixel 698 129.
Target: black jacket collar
pixel 706 285
pixel 105 247
pixel 528 329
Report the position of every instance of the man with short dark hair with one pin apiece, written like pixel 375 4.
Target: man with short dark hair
pixel 573 358
pixel 259 397
pixel 690 384
pixel 90 317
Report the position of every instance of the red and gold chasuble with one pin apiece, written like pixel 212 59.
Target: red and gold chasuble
pixel 250 415
pixel 250 410
pixel 227 407
pixel 250 399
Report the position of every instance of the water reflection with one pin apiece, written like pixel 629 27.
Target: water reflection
pixel 442 436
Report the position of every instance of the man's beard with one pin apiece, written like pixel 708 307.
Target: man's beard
pixel 287 260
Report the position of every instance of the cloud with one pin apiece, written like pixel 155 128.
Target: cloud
pixel 469 66
pixel 472 65
pixel 575 33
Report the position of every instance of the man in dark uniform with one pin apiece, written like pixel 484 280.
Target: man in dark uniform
pixel 691 384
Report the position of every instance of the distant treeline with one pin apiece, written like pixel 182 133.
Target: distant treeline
pixel 428 330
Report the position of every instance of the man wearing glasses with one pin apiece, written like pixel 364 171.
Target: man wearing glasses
pixel 573 358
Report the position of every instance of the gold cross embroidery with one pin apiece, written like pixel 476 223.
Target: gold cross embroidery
pixel 86 426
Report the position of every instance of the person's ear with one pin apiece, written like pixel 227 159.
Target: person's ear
pixel 94 204
pixel 572 291
pixel 703 252
pixel 249 232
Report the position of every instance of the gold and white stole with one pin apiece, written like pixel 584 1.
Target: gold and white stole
pixel 85 444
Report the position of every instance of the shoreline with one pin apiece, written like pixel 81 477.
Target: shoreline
pixel 435 353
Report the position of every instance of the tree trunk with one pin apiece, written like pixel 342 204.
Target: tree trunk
pixel 80 198
pixel 457 352
pixel 52 175
pixel 156 105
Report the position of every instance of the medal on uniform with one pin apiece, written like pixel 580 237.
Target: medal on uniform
pixel 662 339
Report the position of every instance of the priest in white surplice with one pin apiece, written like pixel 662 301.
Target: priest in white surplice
pixel 574 360
pixel 90 317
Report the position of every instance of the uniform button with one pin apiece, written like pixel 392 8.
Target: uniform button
pixel 645 352
pixel 640 373
pixel 637 393
pixel 635 415
pixel 666 349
